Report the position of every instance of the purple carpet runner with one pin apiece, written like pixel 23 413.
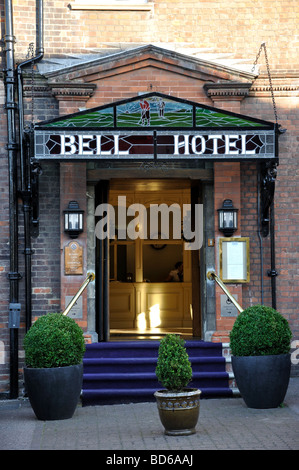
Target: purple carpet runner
pixel 124 371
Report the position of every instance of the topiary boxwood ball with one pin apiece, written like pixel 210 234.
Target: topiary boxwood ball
pixel 54 340
pixel 260 331
pixel 173 369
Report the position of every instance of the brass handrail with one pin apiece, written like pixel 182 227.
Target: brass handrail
pixel 90 278
pixel 213 276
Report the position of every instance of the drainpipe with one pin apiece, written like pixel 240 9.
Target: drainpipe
pixel 25 168
pixel 259 230
pixel 272 272
pixel 26 190
pixel 13 275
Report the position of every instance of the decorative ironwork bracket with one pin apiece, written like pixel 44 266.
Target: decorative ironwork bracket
pixel 268 177
pixel 36 171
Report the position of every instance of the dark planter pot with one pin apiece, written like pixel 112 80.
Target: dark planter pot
pixel 262 380
pixel 178 411
pixel 54 393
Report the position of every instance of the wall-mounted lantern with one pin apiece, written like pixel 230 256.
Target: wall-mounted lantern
pixel 227 218
pixel 73 219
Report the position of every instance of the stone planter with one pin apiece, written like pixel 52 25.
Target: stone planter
pixel 54 392
pixel 178 411
pixel 262 380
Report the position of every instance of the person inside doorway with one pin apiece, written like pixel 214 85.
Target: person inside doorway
pixel 176 275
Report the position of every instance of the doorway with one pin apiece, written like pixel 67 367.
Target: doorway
pixel 142 300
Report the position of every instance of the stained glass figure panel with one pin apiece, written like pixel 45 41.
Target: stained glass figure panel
pixel 155 111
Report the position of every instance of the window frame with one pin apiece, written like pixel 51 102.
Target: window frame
pixel 135 5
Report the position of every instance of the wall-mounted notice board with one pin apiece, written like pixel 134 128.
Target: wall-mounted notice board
pixel 234 259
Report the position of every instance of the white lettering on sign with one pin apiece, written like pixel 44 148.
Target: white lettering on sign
pixel 197 144
pixel 215 139
pixel 99 150
pixel 83 145
pixel 178 143
pixel 230 144
pixel 68 146
pixel 244 149
pixel 154 144
pixel 116 147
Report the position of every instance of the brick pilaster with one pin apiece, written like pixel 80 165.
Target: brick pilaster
pixel 73 188
pixel 227 185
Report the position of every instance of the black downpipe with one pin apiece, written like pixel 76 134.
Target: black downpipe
pixel 272 272
pixel 14 276
pixel 25 166
pixel 267 219
pixel 259 230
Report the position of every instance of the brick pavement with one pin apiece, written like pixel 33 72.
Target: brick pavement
pixel 224 424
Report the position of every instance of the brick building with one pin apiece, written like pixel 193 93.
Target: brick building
pixel 229 131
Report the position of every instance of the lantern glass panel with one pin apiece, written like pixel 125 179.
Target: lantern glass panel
pixel 235 220
pixel 220 218
pixel 73 221
pixel 228 219
pixel 66 221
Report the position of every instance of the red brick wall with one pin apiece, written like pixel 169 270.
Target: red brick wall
pixel 46 256
pixel 126 84
pixel 219 26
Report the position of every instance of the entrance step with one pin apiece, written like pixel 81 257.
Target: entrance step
pixel 123 372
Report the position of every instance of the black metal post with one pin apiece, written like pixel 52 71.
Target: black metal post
pixel 102 274
pixel 99 287
pixel 106 276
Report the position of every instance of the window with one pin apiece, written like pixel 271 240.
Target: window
pixel 122 261
pixel 111 5
pixel 110 2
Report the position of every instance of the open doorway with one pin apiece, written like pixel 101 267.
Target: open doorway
pixel 149 294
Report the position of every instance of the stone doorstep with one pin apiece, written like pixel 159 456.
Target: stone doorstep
pixel 226 353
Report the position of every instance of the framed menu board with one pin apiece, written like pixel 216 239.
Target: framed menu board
pixel 234 259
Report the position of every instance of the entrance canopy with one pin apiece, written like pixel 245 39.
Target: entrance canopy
pixel 154 126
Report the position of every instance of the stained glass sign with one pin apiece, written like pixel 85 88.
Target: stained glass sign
pixel 155 111
pixel 155 126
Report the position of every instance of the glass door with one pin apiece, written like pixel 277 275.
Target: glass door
pixel 143 296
